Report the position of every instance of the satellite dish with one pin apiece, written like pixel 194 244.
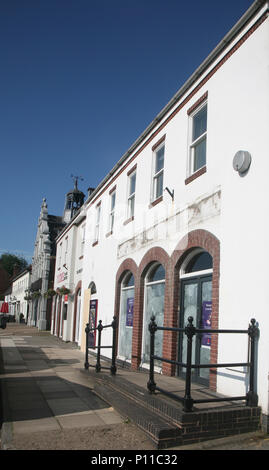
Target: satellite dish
pixel 241 161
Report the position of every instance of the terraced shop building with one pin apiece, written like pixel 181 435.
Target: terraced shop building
pixel 43 264
pixel 178 228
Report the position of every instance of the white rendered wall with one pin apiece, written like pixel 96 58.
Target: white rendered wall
pixel 232 208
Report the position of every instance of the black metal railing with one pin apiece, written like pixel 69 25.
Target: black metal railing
pixel 190 331
pixel 99 346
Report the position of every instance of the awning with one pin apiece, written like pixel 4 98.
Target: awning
pixel 4 307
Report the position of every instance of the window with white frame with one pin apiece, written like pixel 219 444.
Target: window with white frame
pixel 131 193
pixel 112 210
pixel 66 250
pixel 158 166
pixel 60 255
pixel 198 135
pixel 82 239
pixel 153 305
pixel 97 223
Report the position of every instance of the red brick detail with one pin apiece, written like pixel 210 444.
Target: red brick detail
pixel 197 238
pixel 128 220
pixel 132 170
pixel 207 241
pixel 154 203
pixel 78 288
pixel 160 141
pixel 197 103
pixel 195 175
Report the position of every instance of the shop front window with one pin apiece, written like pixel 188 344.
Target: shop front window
pixel 154 305
pixel 126 318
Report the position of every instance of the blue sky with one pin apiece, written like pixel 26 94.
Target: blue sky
pixel 80 81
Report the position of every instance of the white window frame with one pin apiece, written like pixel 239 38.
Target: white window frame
pixel 66 250
pixel 148 283
pixel 157 174
pixel 97 222
pixel 131 196
pixel 112 210
pixel 193 143
pixel 121 311
pixel 83 231
pixel 60 255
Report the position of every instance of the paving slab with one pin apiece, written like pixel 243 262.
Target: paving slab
pixel 35 425
pixel 79 421
pixel 43 388
pixel 61 406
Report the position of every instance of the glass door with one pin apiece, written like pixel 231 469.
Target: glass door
pixel 196 301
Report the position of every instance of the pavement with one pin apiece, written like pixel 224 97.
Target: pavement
pixel 44 392
pixel 48 403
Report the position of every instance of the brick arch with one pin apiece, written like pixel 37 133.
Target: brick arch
pixel 197 238
pixel 154 254
pixel 127 265
pixel 210 243
pixel 78 287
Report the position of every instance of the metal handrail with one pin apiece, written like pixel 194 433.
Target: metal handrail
pixel 99 328
pixel 190 330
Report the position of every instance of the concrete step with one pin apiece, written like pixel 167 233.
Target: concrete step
pixel 163 419
pixel 161 431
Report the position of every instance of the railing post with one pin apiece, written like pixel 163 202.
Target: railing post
pixel 152 329
pixel 113 367
pixel 87 329
pixel 252 397
pixel 98 364
pixel 190 332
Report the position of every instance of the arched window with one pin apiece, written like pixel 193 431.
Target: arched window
pixel 199 262
pixel 128 280
pixel 92 287
pixel 126 317
pixel 154 305
pixel 196 301
pixel 157 273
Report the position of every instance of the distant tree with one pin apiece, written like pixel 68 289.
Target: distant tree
pixel 8 261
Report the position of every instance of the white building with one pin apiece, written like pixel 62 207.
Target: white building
pixel 43 264
pixel 18 303
pixel 178 227
pixel 67 281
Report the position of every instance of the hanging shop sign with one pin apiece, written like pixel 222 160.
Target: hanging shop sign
pixel 61 277
pixel 92 322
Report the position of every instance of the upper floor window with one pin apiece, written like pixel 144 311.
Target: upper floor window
pixel 112 210
pixel 82 239
pixel 198 134
pixel 131 193
pixel 158 165
pixel 66 250
pixel 97 222
pixel 60 255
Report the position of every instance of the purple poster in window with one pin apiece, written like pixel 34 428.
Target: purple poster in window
pixel 130 311
pixel 92 322
pixel 206 322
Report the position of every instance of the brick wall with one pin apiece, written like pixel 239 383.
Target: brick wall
pixel 172 265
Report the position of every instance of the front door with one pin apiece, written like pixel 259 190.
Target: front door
pixel 196 301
